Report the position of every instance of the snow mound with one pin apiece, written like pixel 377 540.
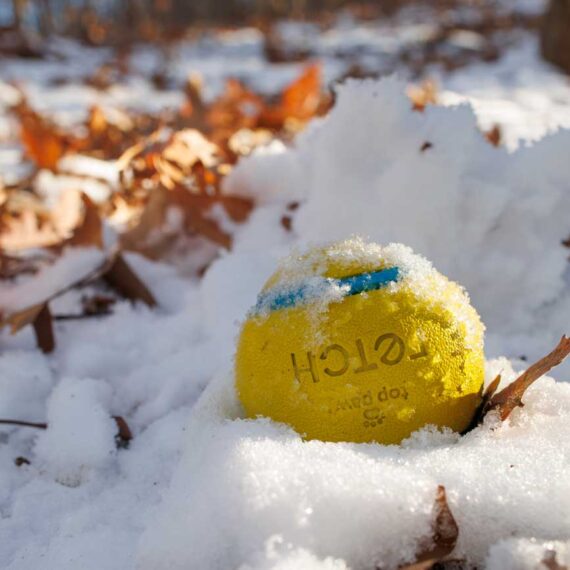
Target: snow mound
pixel 489 220
pixel 243 486
pixel 81 433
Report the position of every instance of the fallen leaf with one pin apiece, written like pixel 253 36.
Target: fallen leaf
pixel 89 232
pixel 43 327
pixel 494 135
pixel 123 279
pixel 423 95
pixel 445 534
pixel 124 435
pixel 20 319
pixel 26 224
pixel 114 270
pixel 44 144
pixel 40 317
pixel 300 101
pixel 549 561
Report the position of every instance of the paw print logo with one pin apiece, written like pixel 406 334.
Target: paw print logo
pixel 373 417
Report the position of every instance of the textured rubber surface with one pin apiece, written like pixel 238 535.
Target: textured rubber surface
pixel 373 367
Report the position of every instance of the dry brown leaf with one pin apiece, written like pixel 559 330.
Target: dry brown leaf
pixel 166 158
pixel 423 95
pixel 11 265
pixel 124 280
pixel 24 317
pixel 180 171
pixel 300 101
pixel 245 141
pixel 114 270
pixel 494 135
pixel 196 207
pixel 445 534
pixel 237 108
pixel 97 304
pixel 28 224
pixel 89 232
pixel 195 109
pixel 551 563
pixel 44 144
pixel 237 207
pixel 146 235
pixel 40 317
pixel 27 230
pixel 43 327
pixel 124 435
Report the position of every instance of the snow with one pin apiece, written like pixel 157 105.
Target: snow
pixel 200 487
pixel 522 95
pixel 495 229
pixel 242 484
pixel 527 554
pixel 25 383
pixel 81 434
pixel 75 264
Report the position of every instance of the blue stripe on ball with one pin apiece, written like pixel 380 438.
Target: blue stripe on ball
pixel 354 285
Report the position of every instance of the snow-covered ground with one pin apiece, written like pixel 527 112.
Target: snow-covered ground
pixel 199 487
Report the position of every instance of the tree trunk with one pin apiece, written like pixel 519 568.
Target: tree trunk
pixel 18 8
pixel 46 18
pixel 555 37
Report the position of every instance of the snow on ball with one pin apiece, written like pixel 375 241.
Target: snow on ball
pixel 359 342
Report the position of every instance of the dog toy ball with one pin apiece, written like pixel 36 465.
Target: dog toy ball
pixel 359 342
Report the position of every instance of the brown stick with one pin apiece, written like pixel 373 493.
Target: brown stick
pixel 511 397
pixel 23 424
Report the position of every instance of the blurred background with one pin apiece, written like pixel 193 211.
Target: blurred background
pixel 124 125
pixel 24 23
pixel 143 107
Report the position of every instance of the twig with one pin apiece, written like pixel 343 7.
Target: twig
pixel 23 424
pixel 511 397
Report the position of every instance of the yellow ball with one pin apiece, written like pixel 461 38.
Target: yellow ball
pixel 359 342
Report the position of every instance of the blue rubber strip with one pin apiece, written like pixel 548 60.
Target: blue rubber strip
pixel 354 285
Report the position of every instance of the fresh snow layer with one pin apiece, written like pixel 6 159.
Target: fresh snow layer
pixel 312 278
pixel 201 488
pixel 241 485
pixel 73 266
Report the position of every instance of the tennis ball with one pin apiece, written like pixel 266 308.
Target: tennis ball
pixel 359 342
